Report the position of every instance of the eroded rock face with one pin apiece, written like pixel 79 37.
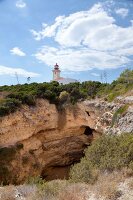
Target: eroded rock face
pixel 108 120
pixel 44 140
pixel 36 139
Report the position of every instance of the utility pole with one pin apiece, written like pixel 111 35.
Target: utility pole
pixel 105 76
pixel 101 76
pixel 17 77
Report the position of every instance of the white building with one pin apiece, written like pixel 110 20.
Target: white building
pixel 61 80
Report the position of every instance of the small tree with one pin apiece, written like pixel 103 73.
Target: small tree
pixel 28 79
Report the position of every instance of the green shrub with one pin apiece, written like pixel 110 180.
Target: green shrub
pixel 8 106
pixel 107 153
pixel 41 90
pixel 126 76
pixel 83 172
pixel 28 99
pixel 4 111
pixel 118 113
pixel 51 96
pixel 112 96
pixel 36 180
pixel 118 87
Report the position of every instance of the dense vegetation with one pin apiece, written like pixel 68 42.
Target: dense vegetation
pixel 54 92
pixel 106 154
pixel 120 86
pixel 12 97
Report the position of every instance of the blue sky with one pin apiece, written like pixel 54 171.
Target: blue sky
pixel 87 38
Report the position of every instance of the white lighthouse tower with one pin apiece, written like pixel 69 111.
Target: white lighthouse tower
pixel 56 72
pixel 56 76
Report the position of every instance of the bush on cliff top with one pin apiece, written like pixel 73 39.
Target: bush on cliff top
pixel 120 86
pixel 15 95
pixel 55 93
pixel 9 105
pixel 107 153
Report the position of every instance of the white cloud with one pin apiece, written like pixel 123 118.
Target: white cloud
pixel 95 74
pixel 12 71
pixel 20 4
pixel 47 31
pixel 66 73
pixel 85 40
pixel 17 51
pixel 123 12
pixel 80 59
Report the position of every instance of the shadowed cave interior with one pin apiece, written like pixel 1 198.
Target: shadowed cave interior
pixel 62 172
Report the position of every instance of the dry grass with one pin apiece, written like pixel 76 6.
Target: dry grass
pixel 74 192
pixel 131 184
pixel 24 192
pixel 109 186
pixel 7 193
pixel 49 190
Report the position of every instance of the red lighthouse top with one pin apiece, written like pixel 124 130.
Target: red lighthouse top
pixel 56 66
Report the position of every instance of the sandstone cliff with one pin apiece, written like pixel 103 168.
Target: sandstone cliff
pixel 39 140
pixel 44 140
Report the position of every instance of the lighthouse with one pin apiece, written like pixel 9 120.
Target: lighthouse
pixel 56 72
pixel 56 76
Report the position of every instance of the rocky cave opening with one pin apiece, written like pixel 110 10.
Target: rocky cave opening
pixel 62 172
pixel 88 131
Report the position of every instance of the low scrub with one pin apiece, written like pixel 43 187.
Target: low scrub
pixel 9 105
pixel 118 114
pixel 109 186
pixel 59 94
pixel 107 153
